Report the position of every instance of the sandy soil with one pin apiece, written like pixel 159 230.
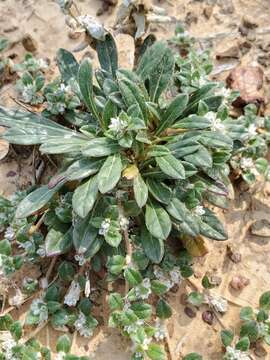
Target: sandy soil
pixel 214 23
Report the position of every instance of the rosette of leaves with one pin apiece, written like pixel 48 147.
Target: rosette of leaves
pixel 29 88
pixel 139 157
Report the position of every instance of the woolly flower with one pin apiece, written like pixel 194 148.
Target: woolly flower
pixel 199 210
pixel 123 222
pixel 248 165
pixel 117 125
pixel 216 124
pixel 104 228
pixel 39 308
pixel 252 130
pixel 73 294
pixel 93 27
pixel 146 343
pixel 28 92
pixel 143 290
pixel 233 354
pixel 80 258
pixel 81 326
pixel 219 303
pixel 9 233
pixel 168 279
pixel 160 333
pixel 133 327
pixel 222 91
pixel 175 275
pixel 41 251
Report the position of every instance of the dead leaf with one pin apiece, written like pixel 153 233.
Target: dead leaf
pixel 195 246
pixel 4 145
pixel 130 172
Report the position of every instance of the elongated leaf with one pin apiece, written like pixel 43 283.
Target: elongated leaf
pixel 100 147
pixel 140 191
pixel 173 112
pixel 159 191
pixel 84 235
pixel 153 247
pixel 216 140
pixel 29 129
pixel 132 95
pixel 62 145
pixel 107 54
pixel 57 243
pixel 36 200
pixel 198 95
pixel 110 173
pixel 110 111
pixel 158 150
pixel 200 158
pixel 82 168
pixel 157 221
pixel 193 122
pixel 171 166
pixel 67 64
pixel 85 196
pixel 187 223
pixel 94 247
pixel 211 227
pixel 85 80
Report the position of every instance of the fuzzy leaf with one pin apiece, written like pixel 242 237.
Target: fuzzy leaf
pixel 164 310
pixel 155 352
pixel 200 158
pixel 107 54
pixel 157 221
pixel 110 173
pixel 159 191
pixel 226 337
pixel 211 227
pixel 153 247
pixel 84 235
pixel 82 168
pixel 140 191
pixel 62 145
pixel 171 166
pixel 85 196
pixel 100 147
pixel 67 64
pixel 57 243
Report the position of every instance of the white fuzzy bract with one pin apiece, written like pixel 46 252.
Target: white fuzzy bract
pixel 73 294
pixel 233 354
pixel 219 303
pixel 81 326
pixel 7 347
pixel 93 27
pixel 199 210
pixel 80 258
pixel 123 222
pixel 60 356
pixel 9 233
pixel 104 228
pixel 143 290
pixel 161 330
pixel 173 277
pixel 39 308
pixel 117 125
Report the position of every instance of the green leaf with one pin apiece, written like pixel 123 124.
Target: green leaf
pixel 107 54
pixel 216 140
pixel 5 247
pixel 179 211
pixel 82 168
pixel 85 196
pixel 195 298
pixel 157 150
pixel 163 310
pixel 67 64
pixel 157 221
pixel 243 344
pixel 158 287
pixel 142 310
pixel 153 247
pixel 66 271
pixel 140 191
pixel 159 191
pixel 155 352
pixel 211 227
pixel 173 112
pixel 16 330
pixel 84 235
pixel 193 356
pixel 6 322
pixel 156 66
pixel 110 173
pixel 265 301
pixel 133 277
pixel 57 243
pixel 116 302
pixel 62 145
pixel 100 147
pixel 226 337
pixel 246 313
pixel 193 122
pixel 85 80
pixel 250 329
pixel 171 166
pixel 63 344
pixel 201 158
pixel 116 264
pixel 35 201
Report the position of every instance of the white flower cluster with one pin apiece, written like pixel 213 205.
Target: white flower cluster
pixel 28 92
pixel 224 92
pixel 117 125
pixel 39 308
pixel 123 222
pixel 169 279
pixel 93 27
pixel 80 258
pixel 131 329
pixel 233 354
pixel 143 290
pixel 104 228
pixel 73 294
pixel 199 210
pixel 160 333
pixel 60 356
pixel 81 326
pixel 9 234
pixel 216 124
pixel 41 251
pixel 219 303
pixel 251 131
pixel 247 164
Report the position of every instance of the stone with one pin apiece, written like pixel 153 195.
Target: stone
pixel 189 312
pixel 29 43
pixel 208 317
pixel 260 228
pixel 208 11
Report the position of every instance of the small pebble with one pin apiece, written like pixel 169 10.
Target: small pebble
pixel 208 317
pixel 189 312
pixel 238 282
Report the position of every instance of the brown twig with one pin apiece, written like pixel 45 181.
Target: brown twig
pixel 34 332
